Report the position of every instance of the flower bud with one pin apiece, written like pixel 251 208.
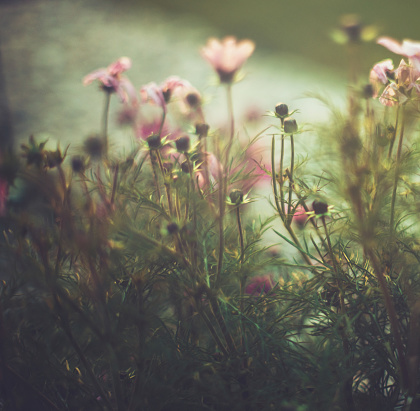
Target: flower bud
pixel 290 125
pixel 282 110
pixel 172 228
pixel 94 146
pixel 185 167
pixel 78 164
pixel 183 143
pixel 154 141
pixel 319 207
pixel 367 91
pixel 193 99
pixel 202 129
pixel 236 196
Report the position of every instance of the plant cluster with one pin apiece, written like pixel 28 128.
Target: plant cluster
pixel 141 281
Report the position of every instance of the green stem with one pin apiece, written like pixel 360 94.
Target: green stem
pixel 281 171
pixel 105 121
pixel 397 172
pixel 292 165
pixel 279 209
pixel 393 319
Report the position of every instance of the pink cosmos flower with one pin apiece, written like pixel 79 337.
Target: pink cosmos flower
pixel 408 48
pixel 113 82
pixel 227 56
pixel 407 76
pixel 260 285
pixel 391 96
pixel 300 217
pixel 152 93
pixel 185 96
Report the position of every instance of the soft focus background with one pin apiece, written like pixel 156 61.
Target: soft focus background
pixel 47 46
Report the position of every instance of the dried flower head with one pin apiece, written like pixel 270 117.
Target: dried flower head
pixel 227 56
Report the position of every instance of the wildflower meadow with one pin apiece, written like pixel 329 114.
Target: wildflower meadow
pixel 148 278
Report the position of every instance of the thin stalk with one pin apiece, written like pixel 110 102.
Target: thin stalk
pixel 105 115
pixel 220 219
pixel 397 172
pixel 292 165
pixel 281 171
pixel 394 134
pixel 241 235
pixel 213 332
pixel 279 209
pixel 221 321
pixel 393 319
pixel 348 389
pixel 167 186
pixel 114 184
pixel 155 176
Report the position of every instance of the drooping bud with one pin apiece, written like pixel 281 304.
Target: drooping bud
pixel 236 196
pixel 183 144
pixel 154 141
pixel 290 125
pixel 282 110
pixel 319 207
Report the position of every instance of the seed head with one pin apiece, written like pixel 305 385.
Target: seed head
pixel 319 207
pixel 183 143
pixel 154 141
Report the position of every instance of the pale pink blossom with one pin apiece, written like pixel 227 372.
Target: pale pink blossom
pixel 113 82
pixel 407 76
pixel 391 96
pixel 186 98
pixel 300 217
pixel 227 56
pixel 381 70
pixel 408 48
pixel 152 93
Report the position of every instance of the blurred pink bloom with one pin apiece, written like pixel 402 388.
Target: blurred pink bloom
pixel 152 93
pixel 259 285
pixel 391 96
pixel 380 71
pixel 113 82
pixel 4 192
pixel 407 76
pixel 186 97
pixel 300 217
pixel 408 48
pixel 227 56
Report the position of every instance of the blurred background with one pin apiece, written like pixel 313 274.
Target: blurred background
pixel 47 46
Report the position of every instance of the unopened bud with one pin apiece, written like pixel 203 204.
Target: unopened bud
pixel 183 143
pixel 202 129
pixel 282 110
pixel 290 125
pixel 367 91
pixel 94 146
pixel 236 196
pixel 172 228
pixel 78 164
pixel 185 167
pixel 193 99
pixel 319 207
pixel 154 141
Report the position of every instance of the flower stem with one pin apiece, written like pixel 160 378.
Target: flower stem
pixel 292 165
pixel 397 172
pixel 105 121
